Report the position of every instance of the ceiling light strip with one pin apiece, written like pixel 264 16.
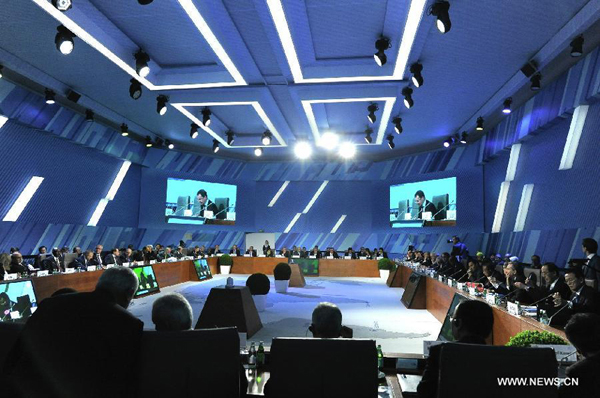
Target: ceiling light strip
pixel 285 36
pixel 291 224
pixel 415 14
pixel 337 224
pixel 278 194
pixel 385 119
pixel 24 197
pixel 315 197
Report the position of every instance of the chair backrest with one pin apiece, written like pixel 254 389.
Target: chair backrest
pixel 441 204
pixel 323 368
pixel 591 283
pixel 536 274
pixel 182 204
pixel 194 363
pixel 402 207
pixel 69 258
pixel 472 367
pixel 9 333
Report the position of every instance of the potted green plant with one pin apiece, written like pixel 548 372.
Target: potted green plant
pixel 385 265
pixel 225 262
pixel 259 286
pixel 528 337
pixel 282 273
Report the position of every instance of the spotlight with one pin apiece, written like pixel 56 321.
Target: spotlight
pixel 215 146
pixel 449 142
pixel 73 96
pixel 479 124
pixel 135 90
pixel 347 150
pixel 328 140
pixel 464 137
pixel 148 142
pixel 141 63
pixel 440 10
pixel 145 2
pixel 64 40
pixel 368 137
pixel 124 130
pixel 169 144
pixel 50 97
pixel 89 115
pixel 1 69
pixel 62 5
pixel 577 47
pixel 417 78
pixel 390 139
pixel 206 117
pixel 372 108
pixel 397 125
pixel 302 150
pixel 258 151
pixel 266 138
pixel 536 82
pixel 407 93
pixel 381 45
pixel 158 142
pixel 230 137
pixel 161 104
pixel 194 131
pixel 506 110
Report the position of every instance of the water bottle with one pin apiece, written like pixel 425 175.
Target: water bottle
pixel 260 356
pixel 379 357
pixel 252 357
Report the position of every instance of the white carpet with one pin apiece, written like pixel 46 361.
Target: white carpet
pixel 368 306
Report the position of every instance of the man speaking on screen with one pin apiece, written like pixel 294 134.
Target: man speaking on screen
pixel 206 204
pixel 424 205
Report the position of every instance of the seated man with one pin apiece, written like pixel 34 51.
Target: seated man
pixel 381 253
pixel 78 345
pixel 42 251
pixel 84 261
pixel 178 253
pixel 52 263
pixel 314 253
pixel 326 321
pixel 296 251
pixel 583 331
pixel 492 278
pixel 472 323
pixel 350 253
pixel 234 250
pixel 286 253
pixel 216 250
pixel 97 259
pixel 515 283
pixel 113 258
pixel 331 253
pixel 165 255
pixel 582 299
pixel 251 251
pixel 172 312
pixel 127 256
pixel 18 266
pixel 554 283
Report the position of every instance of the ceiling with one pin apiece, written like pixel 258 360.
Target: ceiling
pixel 297 68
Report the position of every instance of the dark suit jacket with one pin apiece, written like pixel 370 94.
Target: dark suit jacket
pixel 559 287
pixel 486 283
pixel 352 255
pixel 253 254
pixel 311 253
pixel 265 248
pixel 80 262
pixel 112 259
pixel 126 259
pixel 210 206
pixel 96 259
pixel 586 301
pixel 592 270
pixel 427 206
pixel 587 371
pixel 76 345
pixel 335 255
pixel 237 252
pixel 18 268
pixel 427 388
pixel 50 264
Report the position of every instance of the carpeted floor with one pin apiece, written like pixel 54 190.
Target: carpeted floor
pixel 368 306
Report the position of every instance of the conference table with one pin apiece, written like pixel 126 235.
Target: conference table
pixel 172 273
pixel 437 297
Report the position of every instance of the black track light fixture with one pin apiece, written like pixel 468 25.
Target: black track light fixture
pixel 536 82
pixel 149 143
pixel 169 144
pixel 397 122
pixel 1 71
pixel 464 137
pixel 135 89
pixel 62 5
pixel 408 100
pixel 479 126
pixel 230 137
pixel 206 117
pixel 64 40
pixel 440 10
pixel 159 142
pixel 417 77
pixel 368 137
pixel 382 44
pixel 89 115
pixel 577 47
pixel 215 146
pixel 141 63
pixel 161 104
pixel 506 106
pixel 390 139
pixel 371 116
pixel 50 97
pixel 449 142
pixel 194 131
pixel 145 2
pixel 266 138
pixel 124 130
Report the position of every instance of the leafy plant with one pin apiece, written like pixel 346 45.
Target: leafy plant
pixel 225 259
pixel 258 284
pixel 282 272
pixel 529 337
pixel 385 263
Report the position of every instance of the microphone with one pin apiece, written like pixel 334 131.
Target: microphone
pixel 564 359
pixel 511 293
pixel 443 208
pixel 540 300
pixel 460 270
pixel 480 279
pixel 557 312
pixel 459 279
